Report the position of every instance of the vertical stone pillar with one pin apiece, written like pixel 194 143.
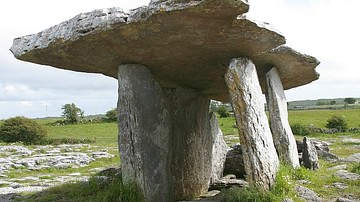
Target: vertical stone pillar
pixel 260 158
pixel 284 139
pixel 165 139
pixel 144 133
pixel 191 142
pixel 219 149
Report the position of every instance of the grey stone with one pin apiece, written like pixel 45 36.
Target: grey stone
pixel 327 156
pixel 287 61
pixel 341 199
pixel 338 185
pixel 307 194
pixel 309 155
pixel 284 140
pixel 321 145
pixel 259 155
pixel 101 154
pixel 161 29
pixel 234 163
pixel 227 182
pixel 352 158
pixel 219 150
pixel 338 167
pixel 343 174
pixel 190 132
pixel 144 132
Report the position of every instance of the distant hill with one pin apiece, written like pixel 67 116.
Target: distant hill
pixel 336 103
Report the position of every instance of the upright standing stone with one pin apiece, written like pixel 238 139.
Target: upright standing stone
pixel 144 133
pixel 284 139
pixel 219 149
pixel 309 156
pixel 260 157
pixel 191 142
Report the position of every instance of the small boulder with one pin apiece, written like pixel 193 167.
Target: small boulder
pixel 346 175
pixel 227 182
pixel 355 158
pixel 309 155
pixel 307 194
pixel 234 163
pixel 327 155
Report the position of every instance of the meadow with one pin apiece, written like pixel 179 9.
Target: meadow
pixel 105 135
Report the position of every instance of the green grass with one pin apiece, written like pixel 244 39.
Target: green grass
pixel 92 191
pixel 104 134
pixel 319 117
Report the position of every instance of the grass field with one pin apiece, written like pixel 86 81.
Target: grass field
pixel 105 134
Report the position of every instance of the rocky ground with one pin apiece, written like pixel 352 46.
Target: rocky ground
pixel 39 164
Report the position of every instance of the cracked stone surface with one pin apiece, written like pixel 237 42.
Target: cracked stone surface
pixel 183 43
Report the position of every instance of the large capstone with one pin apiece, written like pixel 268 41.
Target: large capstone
pixel 183 43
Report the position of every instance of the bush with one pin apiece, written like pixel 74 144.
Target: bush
pixel 337 122
pixel 21 129
pixel 223 112
pixel 299 129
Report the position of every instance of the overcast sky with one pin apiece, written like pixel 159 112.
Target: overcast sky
pixel 326 29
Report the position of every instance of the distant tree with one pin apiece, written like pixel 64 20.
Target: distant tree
pixel 350 100
pixel 111 115
pixel 223 112
pixel 332 102
pixel 72 113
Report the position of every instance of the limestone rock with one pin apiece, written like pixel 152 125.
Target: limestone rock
pixel 327 155
pixel 219 150
pixel 234 163
pixel 309 155
pixel 204 34
pixel 307 194
pixel 227 182
pixel 260 158
pixel 144 129
pixel 293 67
pixel 338 167
pixel 352 158
pixel 191 143
pixel 343 174
pixel 283 137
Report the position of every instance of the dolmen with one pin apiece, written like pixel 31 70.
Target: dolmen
pixel 170 59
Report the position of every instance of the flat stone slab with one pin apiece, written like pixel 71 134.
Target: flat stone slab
pixel 186 44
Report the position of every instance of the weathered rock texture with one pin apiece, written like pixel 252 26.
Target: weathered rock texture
pixel 293 67
pixel 259 154
pixel 205 35
pixel 219 150
pixel 144 129
pixel 284 139
pixel 164 136
pixel 234 163
pixel 309 155
pixel 191 142
pixel 184 47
